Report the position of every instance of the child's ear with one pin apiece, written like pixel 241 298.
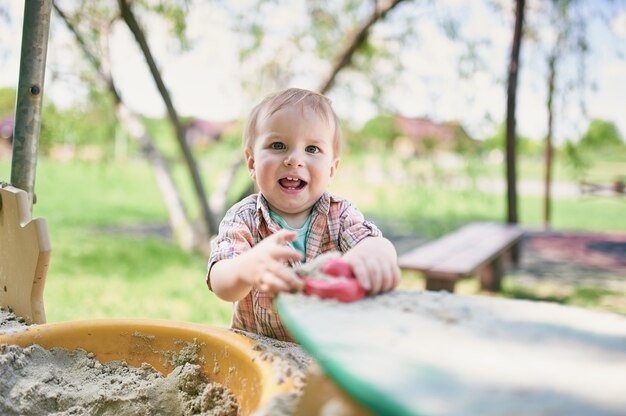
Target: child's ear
pixel 333 167
pixel 247 154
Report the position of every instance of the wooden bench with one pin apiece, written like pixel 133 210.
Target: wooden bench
pixel 476 248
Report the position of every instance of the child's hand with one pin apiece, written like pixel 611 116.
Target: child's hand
pixel 375 265
pixel 266 264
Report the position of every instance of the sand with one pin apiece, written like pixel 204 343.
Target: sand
pixel 37 381
pixel 289 360
pixel 10 323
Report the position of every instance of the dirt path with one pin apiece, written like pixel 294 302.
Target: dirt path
pixel 577 258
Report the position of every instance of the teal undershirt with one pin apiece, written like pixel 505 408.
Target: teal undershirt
pixel 303 232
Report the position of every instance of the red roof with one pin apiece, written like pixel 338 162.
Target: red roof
pixel 423 128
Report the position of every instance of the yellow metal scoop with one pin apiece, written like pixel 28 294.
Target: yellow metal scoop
pixel 24 256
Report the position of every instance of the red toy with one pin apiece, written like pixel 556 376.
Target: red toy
pixel 341 284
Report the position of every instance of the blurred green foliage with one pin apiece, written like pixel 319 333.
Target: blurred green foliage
pixel 7 101
pixel 576 162
pixel 91 124
pixel 382 128
pixel 602 143
pixel 77 128
pixel 602 134
pixel 525 145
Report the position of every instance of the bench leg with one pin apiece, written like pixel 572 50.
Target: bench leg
pixel 491 275
pixel 437 284
pixel 514 253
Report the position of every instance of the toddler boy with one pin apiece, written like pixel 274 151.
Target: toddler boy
pixel 292 144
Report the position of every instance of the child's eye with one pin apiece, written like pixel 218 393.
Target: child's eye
pixel 277 146
pixel 312 149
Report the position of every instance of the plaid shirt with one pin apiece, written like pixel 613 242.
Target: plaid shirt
pixel 335 225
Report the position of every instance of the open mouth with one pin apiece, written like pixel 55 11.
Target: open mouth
pixel 291 183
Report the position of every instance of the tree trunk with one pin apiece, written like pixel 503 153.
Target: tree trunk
pixel 181 226
pixel 511 175
pixel 202 200
pixel 549 148
pixel 182 229
pixel 219 198
pixel 354 40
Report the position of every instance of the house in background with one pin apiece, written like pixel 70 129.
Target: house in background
pixel 203 133
pixel 421 135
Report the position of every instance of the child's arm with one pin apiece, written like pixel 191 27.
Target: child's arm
pixel 263 266
pixel 375 264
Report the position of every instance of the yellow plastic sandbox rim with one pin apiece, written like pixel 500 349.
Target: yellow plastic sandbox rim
pixel 226 357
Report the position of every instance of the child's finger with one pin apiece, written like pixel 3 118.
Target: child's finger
pixel 286 274
pixel 297 285
pixel 288 279
pixel 283 236
pixel 360 272
pixel 284 253
pixel 387 277
pixel 294 282
pixel 391 277
pixel 375 276
pixel 272 283
pixel 396 275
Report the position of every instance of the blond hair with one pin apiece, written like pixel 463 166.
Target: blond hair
pixel 319 103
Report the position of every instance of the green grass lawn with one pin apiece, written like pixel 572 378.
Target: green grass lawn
pixel 95 273
pixel 98 273
pixel 435 207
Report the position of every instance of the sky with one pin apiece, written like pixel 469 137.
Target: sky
pixel 206 82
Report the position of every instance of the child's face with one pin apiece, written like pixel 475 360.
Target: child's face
pixel 292 161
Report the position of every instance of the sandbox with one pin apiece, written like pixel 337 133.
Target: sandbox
pixel 256 378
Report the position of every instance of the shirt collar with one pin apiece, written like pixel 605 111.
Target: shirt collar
pixel 322 206
pixel 263 211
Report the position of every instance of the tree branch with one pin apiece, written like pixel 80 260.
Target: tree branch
pixel 353 42
pixel 133 25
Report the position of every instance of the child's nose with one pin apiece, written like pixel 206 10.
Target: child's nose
pixel 294 160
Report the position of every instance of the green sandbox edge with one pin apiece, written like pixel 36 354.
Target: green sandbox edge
pixel 362 391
